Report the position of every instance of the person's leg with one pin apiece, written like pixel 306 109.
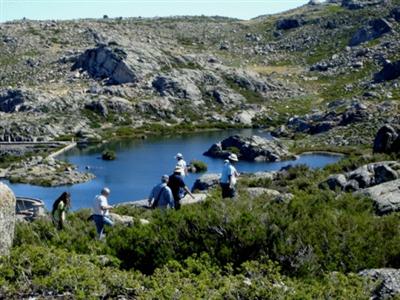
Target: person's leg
pixel 108 221
pixel 177 204
pixel 61 221
pixel 225 190
pixel 232 192
pixel 98 220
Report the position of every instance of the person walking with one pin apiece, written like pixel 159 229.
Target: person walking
pixel 161 195
pixel 178 187
pixel 60 208
pixel 101 212
pixel 229 177
pixel 182 164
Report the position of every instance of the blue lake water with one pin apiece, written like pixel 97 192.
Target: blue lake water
pixel 141 163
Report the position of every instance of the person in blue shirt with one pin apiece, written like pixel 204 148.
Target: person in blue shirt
pixel 161 195
pixel 229 177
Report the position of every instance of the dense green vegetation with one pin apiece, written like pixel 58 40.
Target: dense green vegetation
pixel 307 248
pixel 199 166
pixel 108 154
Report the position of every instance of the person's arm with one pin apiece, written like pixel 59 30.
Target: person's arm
pixel 170 198
pixel 151 197
pixel 188 191
pixel 231 182
pixel 104 205
pixel 232 174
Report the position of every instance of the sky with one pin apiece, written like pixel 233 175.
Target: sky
pixel 76 9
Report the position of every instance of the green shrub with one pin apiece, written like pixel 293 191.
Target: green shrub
pixel 233 150
pixel 310 245
pixel 199 166
pixel 33 270
pixel 108 155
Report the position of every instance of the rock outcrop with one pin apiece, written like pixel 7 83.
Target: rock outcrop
pixel 396 13
pixel 364 177
pixel 13 100
pixel 387 139
pixel 390 71
pixel 386 196
pixel 106 63
pixel 388 282
pixel 375 29
pixel 253 148
pixel 285 24
pixel 360 4
pixel 45 172
pixel 319 122
pixel 7 218
pixel 275 195
pixel 206 182
pixel 179 87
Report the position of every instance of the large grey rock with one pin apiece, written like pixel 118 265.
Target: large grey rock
pixel 251 82
pixel 359 4
pixel 396 13
pixel 206 182
pixel 386 196
pixel 226 96
pixel 256 192
pixel 176 86
pixel 364 176
pixel 98 107
pixel 254 148
pixel 388 282
pixel 120 219
pixel 355 114
pixel 387 140
pixel 13 100
pixel 376 28
pixel 7 218
pixel 336 182
pixel 285 24
pixel 45 172
pixel 390 71
pixel 106 63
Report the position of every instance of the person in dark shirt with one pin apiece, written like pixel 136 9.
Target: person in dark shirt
pixel 178 187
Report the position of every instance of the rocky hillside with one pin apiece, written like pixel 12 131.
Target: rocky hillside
pixel 323 73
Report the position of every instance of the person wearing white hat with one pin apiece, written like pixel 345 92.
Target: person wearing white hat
pixel 101 212
pixel 178 187
pixel 229 177
pixel 181 163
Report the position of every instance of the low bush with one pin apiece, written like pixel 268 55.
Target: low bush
pixel 199 166
pixel 251 248
pixel 108 155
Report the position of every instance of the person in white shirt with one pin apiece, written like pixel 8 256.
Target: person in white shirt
pixel 229 177
pixel 181 163
pixel 101 212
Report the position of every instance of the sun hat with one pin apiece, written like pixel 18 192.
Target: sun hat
pixel 105 191
pixel 233 157
pixel 179 155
